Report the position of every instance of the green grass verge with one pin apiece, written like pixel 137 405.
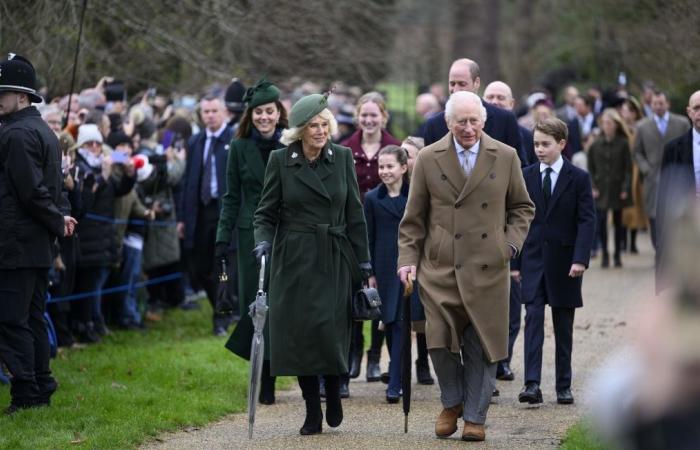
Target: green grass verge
pixel 582 437
pixel 133 386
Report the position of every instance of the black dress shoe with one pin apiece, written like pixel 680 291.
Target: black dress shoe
pixel 423 373
pixel 617 261
pixel 392 397
pixel 384 377
pixel 564 397
pixel 531 394
pixel 503 372
pixel 496 393
pixel 605 263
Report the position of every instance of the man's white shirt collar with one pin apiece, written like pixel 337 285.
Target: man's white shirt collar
pixel 473 149
pixel 556 167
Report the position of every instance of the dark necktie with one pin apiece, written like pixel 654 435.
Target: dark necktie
pixel 205 187
pixel 547 186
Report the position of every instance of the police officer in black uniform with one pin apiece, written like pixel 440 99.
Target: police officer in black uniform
pixel 31 218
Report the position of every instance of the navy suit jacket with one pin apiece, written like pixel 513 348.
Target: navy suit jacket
pixel 189 206
pixel 500 125
pixel 383 215
pixel 526 137
pixel 559 236
pixel 676 183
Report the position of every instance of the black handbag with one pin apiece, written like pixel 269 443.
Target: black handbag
pixel 225 303
pixel 366 305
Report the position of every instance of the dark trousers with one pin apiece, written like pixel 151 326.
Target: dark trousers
pixel 203 267
pixel 652 231
pixel 514 316
pixel 563 320
pixel 24 343
pixel 602 217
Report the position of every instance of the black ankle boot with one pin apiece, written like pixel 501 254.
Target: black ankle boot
pixel 267 386
pixel 605 263
pixel 314 416
pixel 334 407
pixel 374 373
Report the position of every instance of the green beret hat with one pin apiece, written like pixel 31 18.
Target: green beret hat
pixel 306 109
pixel 263 92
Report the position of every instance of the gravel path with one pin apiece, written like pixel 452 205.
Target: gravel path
pixel 610 297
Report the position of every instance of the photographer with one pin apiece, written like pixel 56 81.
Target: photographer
pixel 103 181
pixel 161 250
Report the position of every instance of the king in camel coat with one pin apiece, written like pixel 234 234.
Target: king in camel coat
pixel 459 232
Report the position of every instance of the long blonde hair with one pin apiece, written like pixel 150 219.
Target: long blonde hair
pixel 622 128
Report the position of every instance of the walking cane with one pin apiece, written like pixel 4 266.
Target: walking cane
pixel 406 352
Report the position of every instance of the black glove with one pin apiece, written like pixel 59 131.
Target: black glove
pixel 221 251
pixel 366 270
pixel 262 249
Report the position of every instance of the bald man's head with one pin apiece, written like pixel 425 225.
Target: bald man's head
pixel 464 76
pixel 427 105
pixel 498 93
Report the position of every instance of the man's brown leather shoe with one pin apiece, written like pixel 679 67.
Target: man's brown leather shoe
pixel 446 423
pixel 473 432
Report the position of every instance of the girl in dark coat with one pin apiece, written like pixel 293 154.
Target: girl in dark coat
pixel 371 116
pixel 610 166
pixel 384 207
pixel 258 134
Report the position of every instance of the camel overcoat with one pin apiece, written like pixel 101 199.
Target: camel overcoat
pixel 458 232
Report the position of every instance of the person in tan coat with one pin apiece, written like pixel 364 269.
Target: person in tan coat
pixel 467 215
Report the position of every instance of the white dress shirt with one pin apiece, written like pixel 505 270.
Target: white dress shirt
pixel 214 184
pixel 658 121
pixel 586 124
pixel 467 156
pixel 556 169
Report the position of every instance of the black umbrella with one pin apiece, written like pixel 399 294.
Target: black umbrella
pixel 224 299
pixel 406 352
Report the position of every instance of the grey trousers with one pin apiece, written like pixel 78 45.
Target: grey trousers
pixel 468 378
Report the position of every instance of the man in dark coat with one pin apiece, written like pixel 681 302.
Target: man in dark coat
pixel 30 220
pixel 554 256
pixel 680 177
pixel 499 94
pixel 204 185
pixel 500 124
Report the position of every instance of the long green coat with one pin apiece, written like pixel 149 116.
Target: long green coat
pixel 245 174
pixel 610 166
pixel 315 221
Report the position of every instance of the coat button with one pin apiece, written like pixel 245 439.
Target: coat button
pixel 492 176
pixel 484 267
pixel 458 236
pixel 458 266
pixel 443 177
pixel 484 236
pixel 457 205
pixel 484 205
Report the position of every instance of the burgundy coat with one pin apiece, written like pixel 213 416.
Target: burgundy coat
pixel 367 169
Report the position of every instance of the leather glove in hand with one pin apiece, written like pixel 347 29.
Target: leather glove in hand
pixel 263 248
pixel 221 251
pixel 366 270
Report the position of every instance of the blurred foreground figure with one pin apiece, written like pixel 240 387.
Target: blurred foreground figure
pixel 650 396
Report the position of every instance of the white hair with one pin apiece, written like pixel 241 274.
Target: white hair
pixel 294 134
pixel 463 97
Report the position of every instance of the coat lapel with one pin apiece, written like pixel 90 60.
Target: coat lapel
pixel 389 205
pixel 447 160
pixel 484 163
pixel 253 159
pixel 304 173
pixel 563 181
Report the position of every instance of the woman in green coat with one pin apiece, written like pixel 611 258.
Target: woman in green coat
pixel 610 166
pixel 258 134
pixel 311 224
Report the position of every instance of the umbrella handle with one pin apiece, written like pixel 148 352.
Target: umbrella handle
pixel 408 289
pixel 223 277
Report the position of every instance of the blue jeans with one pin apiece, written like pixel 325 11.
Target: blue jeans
pixel 101 276
pixel 129 276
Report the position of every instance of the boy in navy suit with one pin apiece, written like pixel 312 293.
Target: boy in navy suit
pixel 554 256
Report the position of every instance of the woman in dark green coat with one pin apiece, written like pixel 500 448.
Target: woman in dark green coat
pixel 311 224
pixel 610 166
pixel 258 134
